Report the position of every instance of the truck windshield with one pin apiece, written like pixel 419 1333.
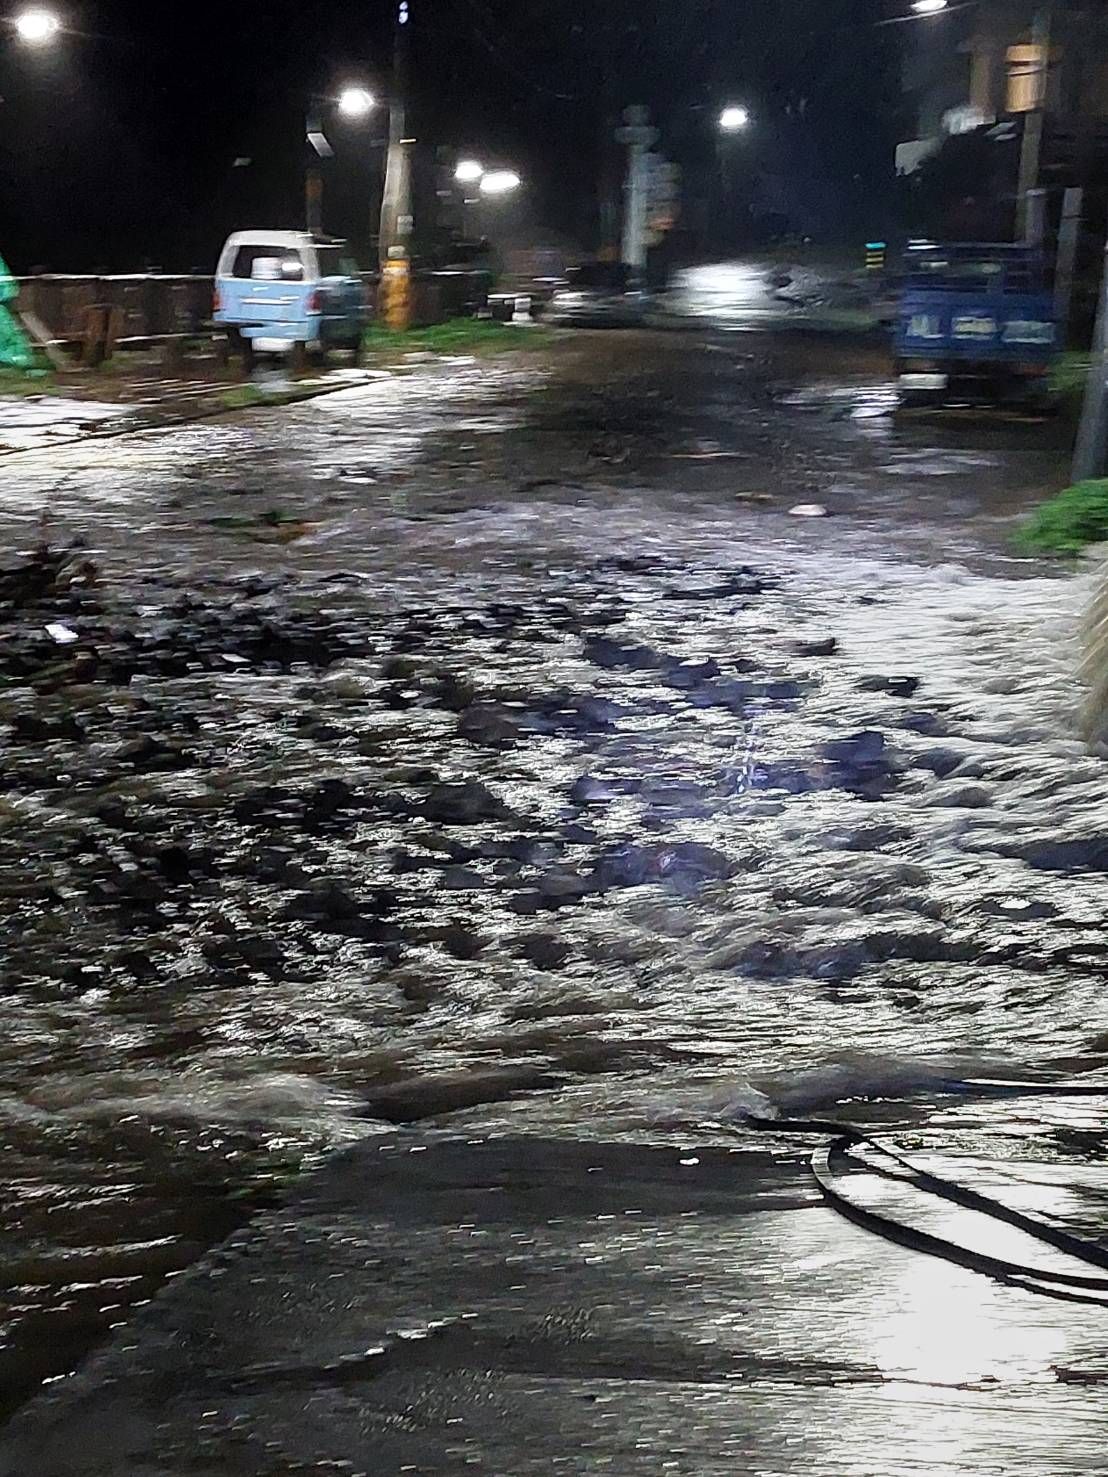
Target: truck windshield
pixel 941 273
pixel 334 262
pixel 268 264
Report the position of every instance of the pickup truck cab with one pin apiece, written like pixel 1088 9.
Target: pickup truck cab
pixel 288 292
pixel 975 322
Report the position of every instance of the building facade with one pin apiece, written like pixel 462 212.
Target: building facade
pixel 994 64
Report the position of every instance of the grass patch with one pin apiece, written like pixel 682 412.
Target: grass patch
pixel 456 336
pixel 1069 522
pixel 1068 377
pixel 19 383
pixel 241 397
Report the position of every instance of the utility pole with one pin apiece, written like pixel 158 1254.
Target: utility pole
pixel 1069 239
pixel 313 200
pixel 639 138
pixel 1092 439
pixel 313 178
pixel 396 202
pixel 1031 224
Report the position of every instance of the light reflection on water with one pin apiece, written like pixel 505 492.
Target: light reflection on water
pixel 865 919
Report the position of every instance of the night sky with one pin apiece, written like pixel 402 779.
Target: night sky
pixel 117 149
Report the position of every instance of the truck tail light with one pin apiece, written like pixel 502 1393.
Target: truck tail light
pixel 315 302
pixel 217 301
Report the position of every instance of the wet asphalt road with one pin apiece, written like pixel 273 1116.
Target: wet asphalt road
pixel 456 1305
pixel 490 746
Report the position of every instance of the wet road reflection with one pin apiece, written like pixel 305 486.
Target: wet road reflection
pixel 450 747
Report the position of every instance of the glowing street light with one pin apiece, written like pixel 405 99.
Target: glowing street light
pixel 356 102
pixel 734 119
pixel 500 182
pixel 469 172
pixel 37 27
pixel 929 7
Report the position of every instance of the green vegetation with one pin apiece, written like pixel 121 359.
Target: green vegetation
pixel 1068 522
pixel 241 397
pixel 1068 377
pixel 24 382
pixel 457 336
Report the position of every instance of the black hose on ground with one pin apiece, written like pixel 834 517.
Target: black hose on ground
pixel 832 1158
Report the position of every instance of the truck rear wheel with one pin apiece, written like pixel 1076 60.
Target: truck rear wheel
pixel 298 357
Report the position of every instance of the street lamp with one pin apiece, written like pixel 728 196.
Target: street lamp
pixel 734 119
pixel 500 182
pixel 356 103
pixel 37 27
pixel 929 7
pixel 353 103
pixel 469 172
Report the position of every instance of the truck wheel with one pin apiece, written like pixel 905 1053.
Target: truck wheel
pixel 247 355
pixel 298 358
pixel 223 351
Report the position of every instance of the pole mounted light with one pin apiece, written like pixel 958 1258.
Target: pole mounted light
pixel 356 103
pixel 500 182
pixel 734 119
pixel 929 7
pixel 37 27
pixel 469 172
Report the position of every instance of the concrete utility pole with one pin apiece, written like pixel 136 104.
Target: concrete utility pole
pixel 396 203
pixel 1092 438
pixel 1069 239
pixel 313 200
pixel 313 178
pixel 1031 219
pixel 639 138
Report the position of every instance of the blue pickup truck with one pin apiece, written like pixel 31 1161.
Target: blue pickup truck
pixel 975 323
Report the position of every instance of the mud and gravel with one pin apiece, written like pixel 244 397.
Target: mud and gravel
pixel 491 742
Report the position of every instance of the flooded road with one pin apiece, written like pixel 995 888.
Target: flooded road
pixel 492 746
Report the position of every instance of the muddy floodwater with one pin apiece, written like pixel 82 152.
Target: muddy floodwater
pixel 493 742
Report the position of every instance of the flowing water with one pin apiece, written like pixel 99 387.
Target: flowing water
pixel 425 754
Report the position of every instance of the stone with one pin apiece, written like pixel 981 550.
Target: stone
pixel 465 804
pixel 864 748
pixel 898 686
pixel 826 646
pixel 489 725
pixel 960 797
pixel 687 862
pixel 602 651
pixel 329 900
pixel 942 762
pixel 544 950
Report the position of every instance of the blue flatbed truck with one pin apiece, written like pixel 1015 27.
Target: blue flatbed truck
pixel 976 324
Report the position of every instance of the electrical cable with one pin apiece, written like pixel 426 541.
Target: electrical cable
pixel 830 1160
